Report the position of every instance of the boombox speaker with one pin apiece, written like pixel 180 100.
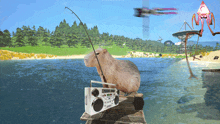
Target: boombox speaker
pixel 98 99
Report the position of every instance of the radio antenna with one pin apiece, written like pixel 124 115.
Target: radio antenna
pixel 90 42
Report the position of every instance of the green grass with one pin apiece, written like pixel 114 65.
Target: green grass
pixel 115 50
pixel 65 50
pixel 48 50
pixel 180 56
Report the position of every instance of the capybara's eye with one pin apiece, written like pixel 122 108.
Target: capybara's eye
pixel 97 53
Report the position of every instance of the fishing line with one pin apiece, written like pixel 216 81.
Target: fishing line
pixel 90 42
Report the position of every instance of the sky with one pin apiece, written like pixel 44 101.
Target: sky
pixel 113 16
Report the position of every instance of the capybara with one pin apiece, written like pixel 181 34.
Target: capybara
pixel 123 73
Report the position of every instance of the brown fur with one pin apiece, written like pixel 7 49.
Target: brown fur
pixel 123 73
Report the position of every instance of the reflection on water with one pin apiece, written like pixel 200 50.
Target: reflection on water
pixel 211 81
pixel 210 108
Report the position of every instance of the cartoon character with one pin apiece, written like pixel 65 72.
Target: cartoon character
pixel 204 13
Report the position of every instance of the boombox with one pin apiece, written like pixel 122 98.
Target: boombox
pixel 98 99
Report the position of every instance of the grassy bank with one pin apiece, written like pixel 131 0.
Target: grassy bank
pixel 65 50
pixel 78 50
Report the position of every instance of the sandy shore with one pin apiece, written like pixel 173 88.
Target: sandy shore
pixel 209 58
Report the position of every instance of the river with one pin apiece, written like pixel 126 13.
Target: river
pixel 52 91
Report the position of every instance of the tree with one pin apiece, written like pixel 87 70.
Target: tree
pixel 80 32
pixel 119 40
pixel 85 42
pixel 13 39
pixel 58 40
pixel 199 47
pixel 176 49
pixel 40 34
pixel 217 47
pixel 46 36
pixel 1 39
pixel 173 48
pixel 129 43
pixel 157 50
pixel 150 48
pixel 71 40
pixel 73 28
pixel 110 41
pixel 52 39
pixel 95 35
pixel 193 48
pixel 7 38
pixel 64 34
pixel 32 38
pixel 105 38
pixel 19 38
pixel 63 29
pixel 165 49
pixel 181 48
pixel 25 30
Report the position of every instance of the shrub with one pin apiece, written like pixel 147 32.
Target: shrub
pixel 207 53
pixel 203 53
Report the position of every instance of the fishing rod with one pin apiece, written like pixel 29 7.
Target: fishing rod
pixel 90 42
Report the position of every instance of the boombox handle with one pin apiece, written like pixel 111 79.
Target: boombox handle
pixel 100 83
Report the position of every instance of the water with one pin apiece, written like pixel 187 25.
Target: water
pixel 52 91
pixel 204 44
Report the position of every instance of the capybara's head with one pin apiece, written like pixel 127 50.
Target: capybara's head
pixel 90 59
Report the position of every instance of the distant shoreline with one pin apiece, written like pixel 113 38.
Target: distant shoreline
pixel 10 55
pixel 59 57
pixel 208 59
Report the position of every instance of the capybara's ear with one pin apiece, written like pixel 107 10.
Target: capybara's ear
pixel 105 50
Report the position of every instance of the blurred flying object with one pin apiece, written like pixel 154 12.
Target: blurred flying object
pixel 142 12
pixel 145 12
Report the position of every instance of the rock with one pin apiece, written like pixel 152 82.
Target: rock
pixel 216 57
pixel 185 99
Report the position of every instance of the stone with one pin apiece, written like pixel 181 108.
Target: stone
pixel 216 57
